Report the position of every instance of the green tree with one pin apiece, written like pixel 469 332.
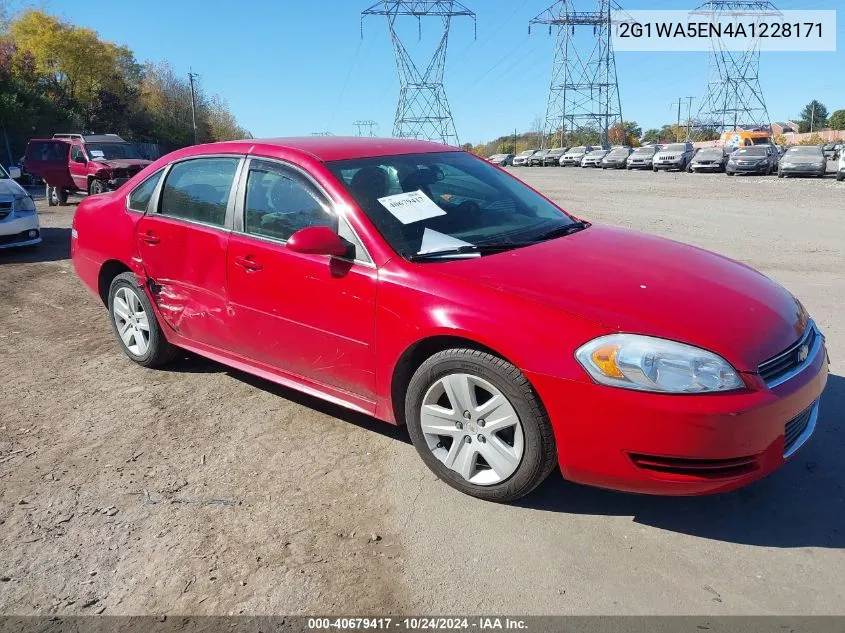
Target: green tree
pixel 813 116
pixel 837 120
pixel 651 136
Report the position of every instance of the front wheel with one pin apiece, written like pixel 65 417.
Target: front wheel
pixel 479 426
pixel 135 325
pixel 97 187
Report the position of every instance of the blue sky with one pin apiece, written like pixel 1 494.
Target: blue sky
pixel 288 67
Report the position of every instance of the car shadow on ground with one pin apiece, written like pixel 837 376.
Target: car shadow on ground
pixel 54 246
pixel 800 505
pixel 191 363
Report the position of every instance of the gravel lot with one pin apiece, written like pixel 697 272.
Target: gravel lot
pixel 201 490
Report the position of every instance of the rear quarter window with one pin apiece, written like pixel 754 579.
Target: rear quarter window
pixel 139 199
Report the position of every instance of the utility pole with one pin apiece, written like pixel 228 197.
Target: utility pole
pixel 689 117
pixel 191 76
pixel 813 117
pixel 678 132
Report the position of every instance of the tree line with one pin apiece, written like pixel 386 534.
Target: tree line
pixel 59 77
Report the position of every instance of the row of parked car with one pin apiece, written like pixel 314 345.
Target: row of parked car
pixel 807 160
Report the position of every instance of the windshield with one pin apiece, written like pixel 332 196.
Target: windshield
pixel 675 147
pixel 111 151
pixel 577 150
pixel 805 151
pixel 527 152
pixel 423 203
pixel 644 150
pixel 618 153
pixel 3 173
pixel 752 151
pixel 710 153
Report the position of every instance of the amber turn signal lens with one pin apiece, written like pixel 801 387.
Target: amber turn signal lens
pixel 604 358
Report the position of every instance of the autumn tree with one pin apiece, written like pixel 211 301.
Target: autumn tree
pixel 837 120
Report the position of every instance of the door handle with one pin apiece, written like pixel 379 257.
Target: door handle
pixel 248 264
pixel 149 238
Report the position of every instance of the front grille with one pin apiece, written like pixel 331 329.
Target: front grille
pixel 795 427
pixel 705 468
pixel 3 214
pixel 775 370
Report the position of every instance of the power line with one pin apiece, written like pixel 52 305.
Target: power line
pixel 369 125
pixel 423 110
pixel 734 98
pixel 584 92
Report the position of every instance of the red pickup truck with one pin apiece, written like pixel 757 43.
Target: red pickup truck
pixel 84 163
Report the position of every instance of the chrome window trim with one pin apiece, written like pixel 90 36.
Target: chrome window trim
pixel 230 204
pixel 805 434
pixel 327 202
pixel 811 356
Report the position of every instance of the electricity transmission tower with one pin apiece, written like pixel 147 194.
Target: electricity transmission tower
pixel 584 93
pixel 423 110
pixel 734 98
pixel 370 125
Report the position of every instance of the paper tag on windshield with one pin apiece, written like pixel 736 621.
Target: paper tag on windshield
pixel 96 153
pixel 411 207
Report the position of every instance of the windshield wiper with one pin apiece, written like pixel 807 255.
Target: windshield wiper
pixel 470 249
pixel 560 231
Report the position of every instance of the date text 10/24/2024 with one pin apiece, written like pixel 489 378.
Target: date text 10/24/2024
pixel 480 623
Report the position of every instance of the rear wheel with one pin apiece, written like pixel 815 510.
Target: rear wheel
pixel 50 194
pixel 61 196
pixel 478 425
pixel 135 325
pixel 840 176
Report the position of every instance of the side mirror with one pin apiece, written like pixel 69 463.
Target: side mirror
pixel 320 240
pixel 80 159
pixel 14 173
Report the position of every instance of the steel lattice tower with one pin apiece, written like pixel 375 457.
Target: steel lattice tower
pixel 734 98
pixel 584 92
pixel 423 110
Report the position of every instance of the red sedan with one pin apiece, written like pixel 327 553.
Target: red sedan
pixel 424 286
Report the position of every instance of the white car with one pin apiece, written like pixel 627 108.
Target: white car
pixel 573 155
pixel 18 216
pixel 523 158
pixel 594 158
pixel 840 172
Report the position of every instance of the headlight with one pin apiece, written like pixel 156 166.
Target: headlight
pixel 644 363
pixel 25 205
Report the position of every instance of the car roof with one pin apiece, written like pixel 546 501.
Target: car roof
pixel 325 148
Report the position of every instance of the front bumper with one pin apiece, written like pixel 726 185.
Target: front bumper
pixel 748 169
pixel 802 170
pixel 640 165
pixel 16 230
pixel 668 166
pixel 706 166
pixel 680 444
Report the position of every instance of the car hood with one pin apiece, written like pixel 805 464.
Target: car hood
pixel 9 187
pixel 124 163
pixel 632 282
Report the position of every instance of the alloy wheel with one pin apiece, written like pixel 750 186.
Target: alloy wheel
pixel 472 428
pixel 133 325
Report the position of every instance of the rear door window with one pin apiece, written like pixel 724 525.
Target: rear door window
pixel 198 190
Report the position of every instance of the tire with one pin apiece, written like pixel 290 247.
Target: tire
pixel 97 187
pixel 50 194
pixel 840 176
pixel 157 351
pixel 730 173
pixel 655 169
pixel 780 174
pixel 61 195
pixel 529 442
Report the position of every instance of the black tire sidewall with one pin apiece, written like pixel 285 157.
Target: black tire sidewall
pixel 539 456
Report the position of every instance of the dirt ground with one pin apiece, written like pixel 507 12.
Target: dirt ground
pixel 201 490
